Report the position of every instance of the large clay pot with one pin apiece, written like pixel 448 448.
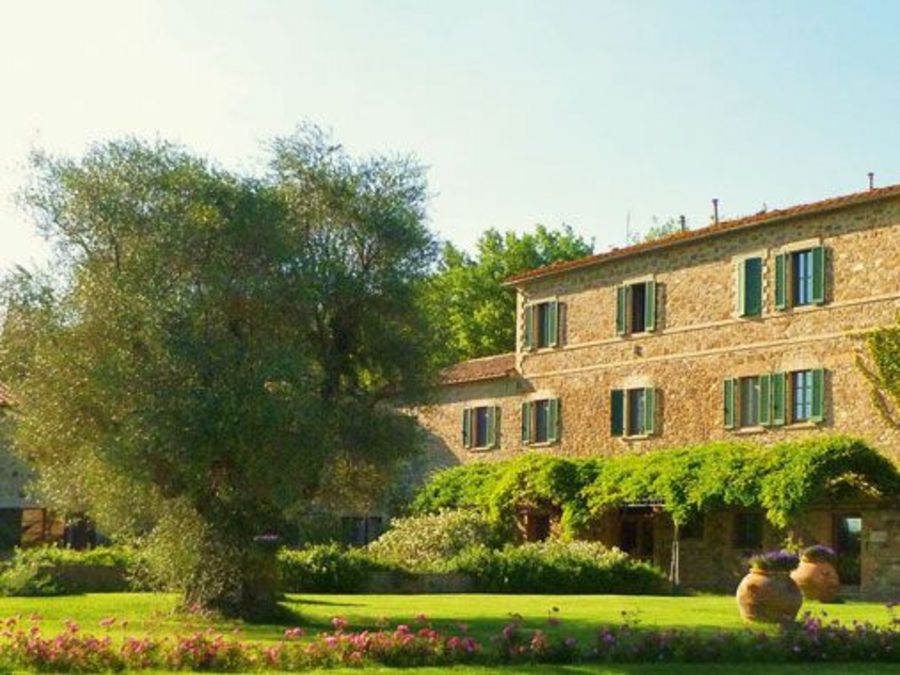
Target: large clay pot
pixel 769 597
pixel 817 580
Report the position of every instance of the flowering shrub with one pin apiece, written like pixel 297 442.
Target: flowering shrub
pixel 559 567
pixel 24 646
pixel 428 542
pixel 774 561
pixel 818 553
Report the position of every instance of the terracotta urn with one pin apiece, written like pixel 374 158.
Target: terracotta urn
pixel 768 596
pixel 817 580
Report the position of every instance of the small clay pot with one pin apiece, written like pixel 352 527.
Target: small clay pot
pixel 768 597
pixel 817 580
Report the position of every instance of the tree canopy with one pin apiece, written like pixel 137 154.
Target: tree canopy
pixel 472 313
pixel 210 344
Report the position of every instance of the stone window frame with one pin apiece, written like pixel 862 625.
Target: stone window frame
pixel 630 384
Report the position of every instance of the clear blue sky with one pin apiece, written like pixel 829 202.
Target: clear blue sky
pixel 525 112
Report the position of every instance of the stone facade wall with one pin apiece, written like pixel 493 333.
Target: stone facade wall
pixel 699 340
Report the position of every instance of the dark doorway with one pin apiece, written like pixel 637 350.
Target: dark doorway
pixel 848 546
pixel 636 537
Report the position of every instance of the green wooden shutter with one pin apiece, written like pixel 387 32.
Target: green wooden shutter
pixel 781 279
pixel 495 438
pixel 526 422
pixel 779 398
pixel 818 395
pixel 765 400
pixel 553 420
pixel 728 402
pixel 617 412
pixel 650 306
pixel 649 410
pixel 552 315
pixel 742 288
pixel 529 327
pixel 752 287
pixel 467 428
pixel 818 269
pixel 621 309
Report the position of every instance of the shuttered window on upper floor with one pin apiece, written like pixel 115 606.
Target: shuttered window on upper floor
pixel 800 278
pixel 749 287
pixel 636 308
pixel 542 325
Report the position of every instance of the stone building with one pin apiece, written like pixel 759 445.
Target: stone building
pixel 23 521
pixel 749 329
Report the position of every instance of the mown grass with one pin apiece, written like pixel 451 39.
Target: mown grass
pixel 484 615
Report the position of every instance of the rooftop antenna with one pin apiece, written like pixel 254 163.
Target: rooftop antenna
pixel 715 202
pixel 871 180
pixel 628 227
pixel 682 221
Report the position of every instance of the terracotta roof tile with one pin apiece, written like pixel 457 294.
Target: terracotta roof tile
pixel 487 368
pixel 712 230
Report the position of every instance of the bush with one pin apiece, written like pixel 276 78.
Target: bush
pixel 559 567
pixel 48 570
pixel 426 543
pixel 324 568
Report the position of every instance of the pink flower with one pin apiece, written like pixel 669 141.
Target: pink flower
pixel 339 623
pixel 107 622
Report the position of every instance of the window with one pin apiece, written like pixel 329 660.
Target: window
pixel 800 278
pixel 632 412
pixel 542 325
pixel 749 399
pixel 750 287
pixel 748 531
pixel 480 427
pixel 774 399
pixel 540 421
pixel 802 395
pixel 636 308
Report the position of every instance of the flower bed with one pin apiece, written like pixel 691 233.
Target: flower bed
pixel 24 646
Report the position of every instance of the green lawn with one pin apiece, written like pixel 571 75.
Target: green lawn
pixel 485 615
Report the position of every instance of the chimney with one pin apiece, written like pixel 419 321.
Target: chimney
pixel 683 222
pixel 871 180
pixel 715 210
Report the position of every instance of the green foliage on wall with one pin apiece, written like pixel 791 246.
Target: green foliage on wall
pixel 782 480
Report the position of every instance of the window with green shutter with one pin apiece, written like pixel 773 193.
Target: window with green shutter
pixel 636 308
pixel 542 325
pixel 779 398
pixel 526 422
pixel 541 421
pixel 781 281
pixel 632 412
pixel 467 428
pixel 481 427
pixel 817 414
pixel 765 400
pixel 750 287
pixel 728 402
pixel 818 275
pixel 617 412
pixel 621 310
